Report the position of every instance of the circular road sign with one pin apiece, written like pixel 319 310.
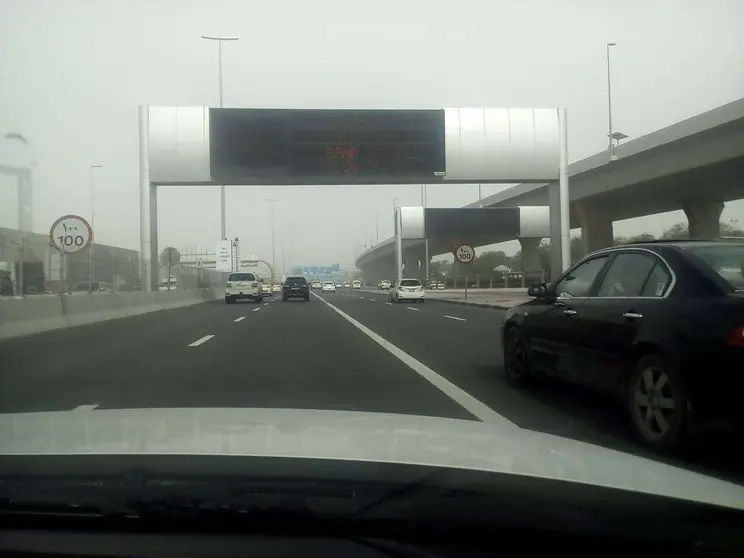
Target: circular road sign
pixel 70 233
pixel 465 253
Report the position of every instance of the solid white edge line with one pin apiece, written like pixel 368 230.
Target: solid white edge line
pixel 256 309
pixel 455 318
pixel 461 397
pixel 86 407
pixel 240 319
pixel 200 341
pixel 412 308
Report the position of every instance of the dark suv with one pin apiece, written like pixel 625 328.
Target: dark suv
pixel 295 287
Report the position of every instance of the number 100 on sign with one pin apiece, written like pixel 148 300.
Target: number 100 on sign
pixel 70 234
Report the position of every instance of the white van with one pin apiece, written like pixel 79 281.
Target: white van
pixel 356 284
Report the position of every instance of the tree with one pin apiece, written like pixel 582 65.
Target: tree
pixel 484 264
pixel 681 232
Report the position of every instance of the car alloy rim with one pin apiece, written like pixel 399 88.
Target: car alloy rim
pixel 653 403
pixel 516 352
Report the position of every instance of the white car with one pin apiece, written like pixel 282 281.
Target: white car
pixel 266 289
pixel 276 288
pixel 329 287
pixel 409 289
pixel 242 285
pixel 356 284
pixel 384 285
pixel 316 285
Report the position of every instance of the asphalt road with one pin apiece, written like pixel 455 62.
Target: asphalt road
pixel 345 351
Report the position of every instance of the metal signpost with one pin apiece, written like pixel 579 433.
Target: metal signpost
pixel 465 254
pixel 170 257
pixel 69 234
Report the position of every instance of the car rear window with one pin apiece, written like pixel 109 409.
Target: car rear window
pixel 297 280
pixel 727 261
pixel 241 277
pixel 410 283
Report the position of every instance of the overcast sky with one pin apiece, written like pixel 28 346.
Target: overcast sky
pixel 74 71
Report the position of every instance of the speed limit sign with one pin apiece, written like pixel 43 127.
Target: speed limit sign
pixel 465 253
pixel 70 234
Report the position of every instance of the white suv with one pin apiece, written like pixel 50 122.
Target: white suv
pixel 242 285
pixel 329 287
pixel 409 289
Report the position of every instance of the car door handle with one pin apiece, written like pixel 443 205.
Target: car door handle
pixel 632 315
pixel 570 312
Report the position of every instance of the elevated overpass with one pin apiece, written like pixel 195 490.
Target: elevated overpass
pixel 695 165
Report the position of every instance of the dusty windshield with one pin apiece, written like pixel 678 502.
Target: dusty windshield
pixel 458 235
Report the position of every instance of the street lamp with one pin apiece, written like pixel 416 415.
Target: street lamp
pixel 91 256
pixel 616 136
pixel 220 40
pixel 272 201
pixel 377 228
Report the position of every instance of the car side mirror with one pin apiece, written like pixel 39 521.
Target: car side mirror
pixel 537 290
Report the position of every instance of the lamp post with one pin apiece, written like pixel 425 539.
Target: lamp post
pixel 272 201
pixel 91 248
pixel 220 40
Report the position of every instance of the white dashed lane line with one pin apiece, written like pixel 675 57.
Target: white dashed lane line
pixel 455 318
pixel 200 341
pixel 85 407
pixel 240 319
pixel 389 303
pixel 256 309
pixel 411 308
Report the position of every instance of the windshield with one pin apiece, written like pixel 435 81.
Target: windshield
pixel 480 236
pixel 726 260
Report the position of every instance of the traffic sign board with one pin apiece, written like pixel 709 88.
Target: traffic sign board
pixel 465 253
pixel 70 233
pixel 170 256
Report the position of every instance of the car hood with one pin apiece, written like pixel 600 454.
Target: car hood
pixel 356 436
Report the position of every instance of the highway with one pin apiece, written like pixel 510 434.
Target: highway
pixel 349 350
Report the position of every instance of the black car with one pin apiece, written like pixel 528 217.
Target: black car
pixel 659 323
pixel 295 287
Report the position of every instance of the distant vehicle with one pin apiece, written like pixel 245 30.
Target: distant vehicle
pixel 356 284
pixel 316 285
pixel 347 285
pixel 441 286
pixel 409 289
pixel 277 288
pixel 295 287
pixel 339 285
pixel 266 289
pixel 242 285
pixel 659 324
pixel 383 285
pixel 329 287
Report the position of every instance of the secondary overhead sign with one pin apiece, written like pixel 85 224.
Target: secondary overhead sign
pixel 224 259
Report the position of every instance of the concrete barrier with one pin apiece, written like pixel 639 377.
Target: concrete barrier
pixel 35 314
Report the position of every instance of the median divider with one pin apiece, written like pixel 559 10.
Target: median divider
pixel 36 314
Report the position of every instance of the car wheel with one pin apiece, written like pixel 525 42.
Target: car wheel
pixel 657 402
pixel 229 300
pixel 284 299
pixel 307 299
pixel 516 358
pixel 258 299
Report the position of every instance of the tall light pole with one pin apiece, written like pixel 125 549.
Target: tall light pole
pixel 220 40
pixel 272 201
pixel 480 196
pixel 377 228
pixel 610 148
pixel 426 240
pixel 91 256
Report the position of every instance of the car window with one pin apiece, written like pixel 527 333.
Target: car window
pixel 579 281
pixel 726 260
pixel 628 275
pixel 299 280
pixel 241 277
pixel 410 283
pixel 658 282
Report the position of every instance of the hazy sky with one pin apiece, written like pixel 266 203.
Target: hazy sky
pixel 74 71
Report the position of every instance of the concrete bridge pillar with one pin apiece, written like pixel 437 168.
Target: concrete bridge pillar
pixel 531 255
pixel 414 265
pixel 703 218
pixel 596 226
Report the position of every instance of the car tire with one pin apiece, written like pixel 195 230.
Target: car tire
pixel 284 299
pixel 517 368
pixel 258 299
pixel 666 389
pixel 229 300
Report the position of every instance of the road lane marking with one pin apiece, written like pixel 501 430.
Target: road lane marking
pixel 389 303
pixel 240 319
pixel 361 297
pixel 371 299
pixel 414 309
pixel 200 341
pixel 85 407
pixel 455 318
pixel 460 396
pixel 266 303
pixel 256 309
